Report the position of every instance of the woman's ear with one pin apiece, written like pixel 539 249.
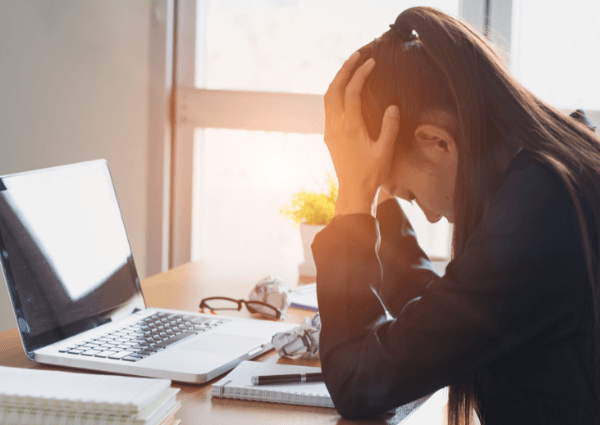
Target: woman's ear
pixel 436 144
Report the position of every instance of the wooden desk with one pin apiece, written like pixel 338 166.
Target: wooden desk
pixel 182 288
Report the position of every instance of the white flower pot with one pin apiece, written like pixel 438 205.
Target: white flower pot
pixel 308 232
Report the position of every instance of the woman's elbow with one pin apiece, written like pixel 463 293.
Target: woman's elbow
pixel 354 395
pixel 352 408
pixel 348 400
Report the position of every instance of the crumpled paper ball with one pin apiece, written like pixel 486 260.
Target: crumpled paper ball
pixel 302 341
pixel 270 290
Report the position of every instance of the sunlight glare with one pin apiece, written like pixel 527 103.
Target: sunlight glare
pixel 278 172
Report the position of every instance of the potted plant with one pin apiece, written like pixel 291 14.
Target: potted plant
pixel 312 211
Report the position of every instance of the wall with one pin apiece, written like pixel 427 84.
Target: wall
pixel 74 87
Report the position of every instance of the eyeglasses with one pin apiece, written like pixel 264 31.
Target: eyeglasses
pixel 224 303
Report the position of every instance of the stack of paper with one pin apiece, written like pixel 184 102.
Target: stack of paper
pixel 49 397
pixel 304 296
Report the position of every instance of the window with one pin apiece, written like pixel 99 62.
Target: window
pixel 242 178
pixel 555 51
pixel 292 46
pixel 242 63
pixel 248 177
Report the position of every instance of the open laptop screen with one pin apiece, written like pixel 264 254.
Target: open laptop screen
pixel 65 252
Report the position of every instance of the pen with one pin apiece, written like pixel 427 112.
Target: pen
pixel 286 379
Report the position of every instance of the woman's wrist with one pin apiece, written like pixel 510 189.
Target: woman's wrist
pixel 354 203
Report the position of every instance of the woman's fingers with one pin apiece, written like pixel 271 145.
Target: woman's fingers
pixel 353 90
pixel 334 97
pixel 389 131
pixel 361 164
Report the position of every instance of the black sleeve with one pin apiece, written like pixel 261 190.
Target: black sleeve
pixel 405 268
pixel 506 288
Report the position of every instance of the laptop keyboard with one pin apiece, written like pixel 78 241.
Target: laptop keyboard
pixel 144 338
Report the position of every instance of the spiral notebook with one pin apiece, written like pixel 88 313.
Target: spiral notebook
pixel 237 385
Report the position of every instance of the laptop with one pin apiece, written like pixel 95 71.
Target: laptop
pixel 76 295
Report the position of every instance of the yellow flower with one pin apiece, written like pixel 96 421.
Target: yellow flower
pixel 313 207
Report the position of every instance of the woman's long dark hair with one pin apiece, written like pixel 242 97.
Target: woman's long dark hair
pixel 430 60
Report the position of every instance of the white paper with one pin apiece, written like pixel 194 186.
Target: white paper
pixel 305 297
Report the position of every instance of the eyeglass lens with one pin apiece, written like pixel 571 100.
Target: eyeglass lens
pixel 221 304
pixel 261 308
pixel 230 304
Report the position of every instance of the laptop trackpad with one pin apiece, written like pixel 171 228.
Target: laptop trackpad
pixel 225 344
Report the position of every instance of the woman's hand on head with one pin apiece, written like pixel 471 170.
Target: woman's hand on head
pixel 361 164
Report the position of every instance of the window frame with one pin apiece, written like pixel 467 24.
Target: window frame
pixel 171 245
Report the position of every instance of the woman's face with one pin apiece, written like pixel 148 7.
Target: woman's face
pixel 427 175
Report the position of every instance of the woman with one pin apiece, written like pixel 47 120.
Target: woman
pixel 512 327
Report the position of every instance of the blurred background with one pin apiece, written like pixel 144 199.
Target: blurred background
pixel 210 112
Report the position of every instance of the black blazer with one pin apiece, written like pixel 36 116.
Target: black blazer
pixel 514 310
